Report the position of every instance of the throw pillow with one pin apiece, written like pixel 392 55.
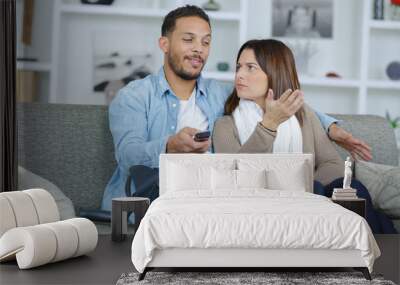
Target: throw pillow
pixel 29 180
pixel 251 178
pixel 383 184
pixel 282 173
pixel 223 179
pixel 188 177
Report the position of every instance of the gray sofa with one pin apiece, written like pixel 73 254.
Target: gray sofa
pixel 71 146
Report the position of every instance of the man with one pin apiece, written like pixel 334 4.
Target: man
pixel 161 113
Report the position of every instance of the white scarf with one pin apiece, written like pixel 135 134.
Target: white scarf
pixel 248 114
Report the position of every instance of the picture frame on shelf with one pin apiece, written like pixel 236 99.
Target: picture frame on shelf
pixel 117 61
pixel 302 19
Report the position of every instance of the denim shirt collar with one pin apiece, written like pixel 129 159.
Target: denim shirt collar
pixel 164 85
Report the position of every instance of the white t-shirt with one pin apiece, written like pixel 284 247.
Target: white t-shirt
pixel 190 115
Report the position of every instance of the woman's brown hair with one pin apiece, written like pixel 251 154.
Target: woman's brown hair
pixel 277 62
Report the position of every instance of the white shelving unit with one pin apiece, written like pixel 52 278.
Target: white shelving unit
pixel 219 75
pixel 137 12
pixel 64 9
pixel 381 39
pixel 384 24
pixel 110 10
pixel 365 87
pixel 329 82
pixel 34 66
pixel 383 84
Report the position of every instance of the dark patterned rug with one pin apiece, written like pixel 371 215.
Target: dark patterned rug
pixel 243 278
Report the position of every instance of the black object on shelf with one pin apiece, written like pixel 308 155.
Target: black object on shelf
pixel 393 70
pixel 27 59
pixel 378 9
pixel 97 2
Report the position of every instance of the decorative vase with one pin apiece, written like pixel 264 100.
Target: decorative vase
pixel 97 2
pixel 211 5
pixel 223 66
pixel 378 9
pixel 393 70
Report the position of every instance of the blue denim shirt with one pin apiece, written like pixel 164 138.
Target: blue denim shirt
pixel 144 114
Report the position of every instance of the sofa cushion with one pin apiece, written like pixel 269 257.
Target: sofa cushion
pixel 28 180
pixel 383 184
pixel 376 132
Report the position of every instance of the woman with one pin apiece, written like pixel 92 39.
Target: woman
pixel 260 120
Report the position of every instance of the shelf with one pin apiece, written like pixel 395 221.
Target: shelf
pixel 305 81
pixel 329 82
pixel 112 11
pixel 219 75
pixel 138 12
pixel 227 16
pixel 34 66
pixel 384 25
pixel 384 84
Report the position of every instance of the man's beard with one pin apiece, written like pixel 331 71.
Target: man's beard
pixel 173 62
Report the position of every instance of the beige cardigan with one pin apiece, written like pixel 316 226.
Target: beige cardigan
pixel 328 163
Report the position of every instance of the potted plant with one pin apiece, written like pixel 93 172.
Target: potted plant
pixel 395 124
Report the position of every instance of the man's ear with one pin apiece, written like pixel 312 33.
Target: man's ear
pixel 163 43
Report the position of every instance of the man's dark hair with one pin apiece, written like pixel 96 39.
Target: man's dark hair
pixel 169 22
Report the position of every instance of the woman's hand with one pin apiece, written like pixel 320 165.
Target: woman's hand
pixel 278 111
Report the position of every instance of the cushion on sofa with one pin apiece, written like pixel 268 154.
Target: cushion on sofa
pixel 383 184
pixel 28 180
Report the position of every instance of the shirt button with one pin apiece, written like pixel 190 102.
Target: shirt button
pixel 174 105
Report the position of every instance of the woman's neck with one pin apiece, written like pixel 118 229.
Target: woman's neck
pixel 261 102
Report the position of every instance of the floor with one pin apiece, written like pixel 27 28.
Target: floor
pixel 103 266
pixel 389 262
pixel 111 259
